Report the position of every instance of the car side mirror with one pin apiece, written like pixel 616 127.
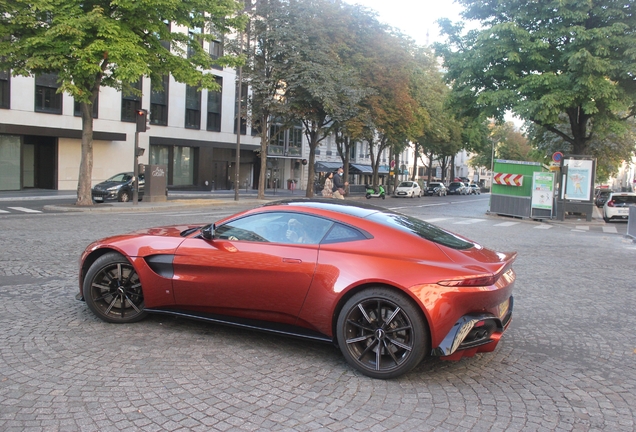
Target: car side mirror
pixel 207 232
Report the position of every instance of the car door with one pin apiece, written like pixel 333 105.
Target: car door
pixel 255 267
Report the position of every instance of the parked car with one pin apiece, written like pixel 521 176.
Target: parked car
pixel 601 196
pixel 117 188
pixel 617 205
pixel 457 188
pixel 436 189
pixel 408 189
pixel 386 288
pixel 474 189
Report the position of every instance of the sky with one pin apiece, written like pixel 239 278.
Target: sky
pixel 414 17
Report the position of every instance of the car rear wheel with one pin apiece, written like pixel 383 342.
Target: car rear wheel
pixel 112 290
pixel 381 333
pixel 124 196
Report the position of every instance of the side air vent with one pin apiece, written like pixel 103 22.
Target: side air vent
pixel 162 265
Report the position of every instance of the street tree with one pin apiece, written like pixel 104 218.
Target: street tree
pixel 548 61
pixel 265 73
pixel 112 44
pixel 319 88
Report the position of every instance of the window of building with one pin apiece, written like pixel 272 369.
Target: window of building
pixel 214 108
pixel 295 141
pixel 77 110
pixel 194 42
pixel 5 89
pixel 193 108
pixel 130 102
pixel 243 109
pixel 277 140
pixel 286 142
pixel 47 99
pixel 352 150
pixel 159 103
pixel 216 51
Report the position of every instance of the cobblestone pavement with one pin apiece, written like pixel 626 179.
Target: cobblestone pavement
pixel 568 362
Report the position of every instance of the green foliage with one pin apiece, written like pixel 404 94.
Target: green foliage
pixel 547 59
pixel 112 43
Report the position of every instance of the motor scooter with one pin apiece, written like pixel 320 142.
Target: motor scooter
pixel 375 193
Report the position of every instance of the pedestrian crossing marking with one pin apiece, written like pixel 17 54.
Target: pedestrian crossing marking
pixel 610 230
pixel 435 220
pixel 506 224
pixel 582 227
pixel 469 221
pixel 543 227
pixel 3 211
pixel 24 209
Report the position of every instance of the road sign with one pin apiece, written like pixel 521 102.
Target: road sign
pixel 557 156
pixel 508 179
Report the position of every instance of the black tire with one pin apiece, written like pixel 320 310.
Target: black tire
pixel 606 219
pixel 368 196
pixel 403 339
pixel 124 196
pixel 112 290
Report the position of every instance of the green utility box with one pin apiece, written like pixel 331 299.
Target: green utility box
pixel 512 189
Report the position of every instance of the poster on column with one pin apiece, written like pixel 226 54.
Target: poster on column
pixel 579 180
pixel 542 190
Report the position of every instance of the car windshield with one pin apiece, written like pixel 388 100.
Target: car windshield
pixel 406 184
pixel 422 229
pixel 121 177
pixel 433 185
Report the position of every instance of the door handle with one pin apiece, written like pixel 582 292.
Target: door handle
pixel 292 260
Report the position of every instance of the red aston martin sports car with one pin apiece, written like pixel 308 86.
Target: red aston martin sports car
pixel 386 288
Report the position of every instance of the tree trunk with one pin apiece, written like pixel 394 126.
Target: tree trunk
pixel 84 183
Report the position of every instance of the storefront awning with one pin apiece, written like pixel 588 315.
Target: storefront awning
pixel 367 169
pixel 327 166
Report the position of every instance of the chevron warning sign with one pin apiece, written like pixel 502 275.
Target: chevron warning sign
pixel 508 179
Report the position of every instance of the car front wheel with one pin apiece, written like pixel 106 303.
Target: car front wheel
pixel 124 196
pixel 381 333
pixel 112 290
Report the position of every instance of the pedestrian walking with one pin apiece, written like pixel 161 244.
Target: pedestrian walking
pixel 339 184
pixel 327 190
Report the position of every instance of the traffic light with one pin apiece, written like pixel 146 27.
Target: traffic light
pixel 142 119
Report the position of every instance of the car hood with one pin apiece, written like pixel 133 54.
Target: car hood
pixel 166 231
pixel 109 184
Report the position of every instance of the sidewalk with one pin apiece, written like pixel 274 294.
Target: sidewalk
pixel 185 199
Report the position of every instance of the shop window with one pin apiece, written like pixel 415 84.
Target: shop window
pixel 193 108
pixel 180 162
pixel 214 108
pixel 47 99
pixel 131 102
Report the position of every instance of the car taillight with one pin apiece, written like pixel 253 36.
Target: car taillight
pixel 610 203
pixel 484 280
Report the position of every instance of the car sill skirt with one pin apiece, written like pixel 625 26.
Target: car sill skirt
pixel 265 326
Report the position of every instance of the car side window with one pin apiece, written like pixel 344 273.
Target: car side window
pixel 342 233
pixel 275 227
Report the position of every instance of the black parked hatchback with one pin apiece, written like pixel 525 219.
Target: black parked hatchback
pixel 119 187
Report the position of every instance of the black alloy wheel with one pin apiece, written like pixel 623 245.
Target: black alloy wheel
pixel 112 290
pixel 381 333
